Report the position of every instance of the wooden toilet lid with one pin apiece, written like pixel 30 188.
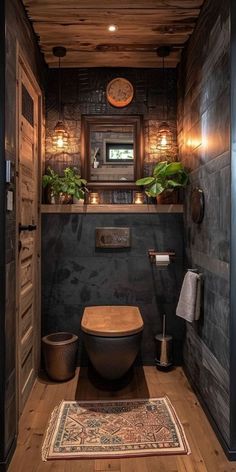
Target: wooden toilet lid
pixel 113 321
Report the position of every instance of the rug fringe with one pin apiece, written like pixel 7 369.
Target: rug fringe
pixel 49 432
pixel 188 450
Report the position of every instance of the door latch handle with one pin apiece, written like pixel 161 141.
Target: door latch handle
pixel 27 227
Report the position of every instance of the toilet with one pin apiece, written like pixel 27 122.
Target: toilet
pixel 112 337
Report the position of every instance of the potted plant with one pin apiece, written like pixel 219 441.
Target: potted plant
pixel 167 177
pixel 62 189
pixel 73 185
pixel 52 182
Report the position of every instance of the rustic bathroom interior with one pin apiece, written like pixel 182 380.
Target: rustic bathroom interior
pixel 118 259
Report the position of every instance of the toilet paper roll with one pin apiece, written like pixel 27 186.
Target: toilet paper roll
pixel 162 260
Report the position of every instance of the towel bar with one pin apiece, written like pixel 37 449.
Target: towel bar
pixel 197 271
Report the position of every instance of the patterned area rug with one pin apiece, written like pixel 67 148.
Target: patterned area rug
pixel 114 429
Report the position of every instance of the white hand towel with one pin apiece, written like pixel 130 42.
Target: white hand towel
pixel 189 303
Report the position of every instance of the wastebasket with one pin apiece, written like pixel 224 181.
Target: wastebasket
pixel 59 350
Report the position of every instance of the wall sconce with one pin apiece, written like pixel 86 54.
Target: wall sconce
pixel 94 198
pixel 164 136
pixel 138 198
pixel 60 134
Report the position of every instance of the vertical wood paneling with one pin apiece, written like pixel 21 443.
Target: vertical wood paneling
pixel 2 223
pixel 18 32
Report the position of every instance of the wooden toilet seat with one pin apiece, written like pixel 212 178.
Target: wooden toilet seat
pixel 112 321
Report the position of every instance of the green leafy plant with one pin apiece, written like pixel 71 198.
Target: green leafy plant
pixel 70 183
pixel 166 176
pixel 53 181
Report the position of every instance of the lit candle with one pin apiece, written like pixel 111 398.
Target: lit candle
pixel 94 198
pixel 138 198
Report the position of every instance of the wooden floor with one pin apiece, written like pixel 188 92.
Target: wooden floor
pixel 207 455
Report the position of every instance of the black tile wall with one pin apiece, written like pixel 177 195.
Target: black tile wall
pixel 75 274
pixel 203 133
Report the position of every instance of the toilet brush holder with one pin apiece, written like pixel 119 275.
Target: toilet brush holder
pixel 164 348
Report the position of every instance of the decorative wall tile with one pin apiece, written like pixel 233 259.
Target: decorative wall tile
pixel 83 92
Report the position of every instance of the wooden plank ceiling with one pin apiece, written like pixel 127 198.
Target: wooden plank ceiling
pixel 143 25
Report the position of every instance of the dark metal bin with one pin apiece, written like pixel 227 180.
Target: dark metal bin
pixel 60 351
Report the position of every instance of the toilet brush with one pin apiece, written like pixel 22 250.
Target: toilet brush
pixel 163 326
pixel 163 347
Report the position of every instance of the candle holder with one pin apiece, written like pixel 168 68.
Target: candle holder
pixel 94 198
pixel 138 198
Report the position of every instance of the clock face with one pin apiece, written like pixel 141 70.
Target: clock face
pixel 120 92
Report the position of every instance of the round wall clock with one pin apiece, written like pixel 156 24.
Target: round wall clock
pixel 120 92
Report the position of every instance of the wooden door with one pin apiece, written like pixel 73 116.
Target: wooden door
pixel 28 221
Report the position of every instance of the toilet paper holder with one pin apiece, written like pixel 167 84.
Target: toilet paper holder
pixel 152 255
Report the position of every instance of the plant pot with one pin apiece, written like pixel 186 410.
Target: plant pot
pixel 78 201
pixel 61 199
pixel 59 350
pixel 168 197
pixel 64 199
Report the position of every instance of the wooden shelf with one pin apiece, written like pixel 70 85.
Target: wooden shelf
pixel 125 208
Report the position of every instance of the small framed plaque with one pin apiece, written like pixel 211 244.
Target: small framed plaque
pixel 115 238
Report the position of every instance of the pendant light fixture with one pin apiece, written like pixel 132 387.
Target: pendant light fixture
pixel 60 135
pixel 165 136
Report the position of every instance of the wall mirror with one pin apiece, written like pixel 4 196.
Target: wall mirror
pixel 112 150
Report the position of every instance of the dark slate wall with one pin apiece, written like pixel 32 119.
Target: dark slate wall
pixel 17 30
pixel 75 274
pixel 84 92
pixel 203 132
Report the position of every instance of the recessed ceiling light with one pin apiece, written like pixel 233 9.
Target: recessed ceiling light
pixel 112 28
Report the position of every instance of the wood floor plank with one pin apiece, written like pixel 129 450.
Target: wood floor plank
pixel 134 465
pixel 112 465
pixel 207 454
pixel 79 466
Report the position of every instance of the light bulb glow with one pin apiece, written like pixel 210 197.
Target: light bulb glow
pixel 163 141
pixel 112 28
pixel 164 137
pixel 60 137
pixel 60 142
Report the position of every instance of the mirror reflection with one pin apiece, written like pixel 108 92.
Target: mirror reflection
pixel 112 152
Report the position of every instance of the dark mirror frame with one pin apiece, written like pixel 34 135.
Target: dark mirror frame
pixel 132 120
